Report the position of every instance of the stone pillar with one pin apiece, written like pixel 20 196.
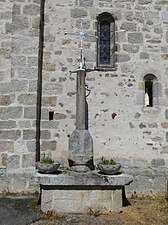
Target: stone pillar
pixel 80 100
pixel 80 151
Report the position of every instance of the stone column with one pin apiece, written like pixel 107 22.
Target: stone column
pixel 80 151
pixel 80 100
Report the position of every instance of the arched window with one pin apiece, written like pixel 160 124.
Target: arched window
pixel 106 40
pixel 150 89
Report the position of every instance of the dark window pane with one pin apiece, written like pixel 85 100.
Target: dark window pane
pixel 104 42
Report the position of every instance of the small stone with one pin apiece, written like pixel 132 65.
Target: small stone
pixel 166 114
pixel 158 162
pixel 144 55
pixel 153 125
pixel 85 3
pixel 59 116
pixel 137 115
pixel 131 125
pixel 142 125
pixel 164 124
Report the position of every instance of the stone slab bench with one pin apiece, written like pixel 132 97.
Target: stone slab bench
pixel 73 192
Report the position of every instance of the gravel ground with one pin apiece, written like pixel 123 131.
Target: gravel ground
pixel 141 211
pixel 25 211
pixel 18 210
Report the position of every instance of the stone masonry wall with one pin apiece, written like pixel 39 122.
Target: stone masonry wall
pixel 18 51
pixel 120 125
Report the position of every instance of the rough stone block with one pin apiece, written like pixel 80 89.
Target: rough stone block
pixel 49 66
pixel 5 88
pixel 121 57
pixel 27 99
pixel 85 2
pixel 135 38
pixel 52 88
pixel 120 37
pixel 19 61
pixel 32 86
pixel 131 48
pixel 5 100
pixel 27 72
pixel 78 13
pixel 32 61
pixel 45 134
pixel 83 201
pixel 19 183
pixel 127 26
pixel 166 114
pixel 48 145
pixel 31 145
pixel 29 134
pixel 157 89
pixel 6 146
pixel 164 149
pixel 16 9
pixel 31 9
pixel 164 124
pixel 49 124
pixel 10 134
pixel 7 124
pixel 13 162
pixel 59 116
pixel 158 162
pixel 143 2
pixel 144 55
pixel 19 85
pixel 28 160
pixel 5 52
pixel 24 124
pixel 49 101
pixel 20 23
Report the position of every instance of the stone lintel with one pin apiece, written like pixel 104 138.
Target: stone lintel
pixel 83 179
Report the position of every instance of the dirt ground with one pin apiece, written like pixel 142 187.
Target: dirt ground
pixel 141 211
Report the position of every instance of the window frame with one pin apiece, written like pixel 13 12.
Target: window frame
pixel 150 80
pixel 108 18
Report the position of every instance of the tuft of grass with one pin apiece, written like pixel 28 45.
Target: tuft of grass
pixel 33 204
pixel 51 215
pixel 107 161
pixel 165 206
pixel 47 160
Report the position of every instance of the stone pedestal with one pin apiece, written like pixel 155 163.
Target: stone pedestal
pixel 74 193
pixel 80 149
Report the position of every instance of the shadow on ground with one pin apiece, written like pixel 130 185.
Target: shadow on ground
pixel 20 210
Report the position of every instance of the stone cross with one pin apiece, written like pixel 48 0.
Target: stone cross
pixel 80 150
pixel 81 35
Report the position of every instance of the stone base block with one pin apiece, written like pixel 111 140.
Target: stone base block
pixel 81 201
pixel 72 192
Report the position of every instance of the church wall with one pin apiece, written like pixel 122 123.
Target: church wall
pixel 120 125
pixel 18 69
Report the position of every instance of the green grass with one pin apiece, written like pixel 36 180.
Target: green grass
pixel 107 161
pixel 46 160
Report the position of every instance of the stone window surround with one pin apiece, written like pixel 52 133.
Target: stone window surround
pixel 157 91
pixel 109 17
